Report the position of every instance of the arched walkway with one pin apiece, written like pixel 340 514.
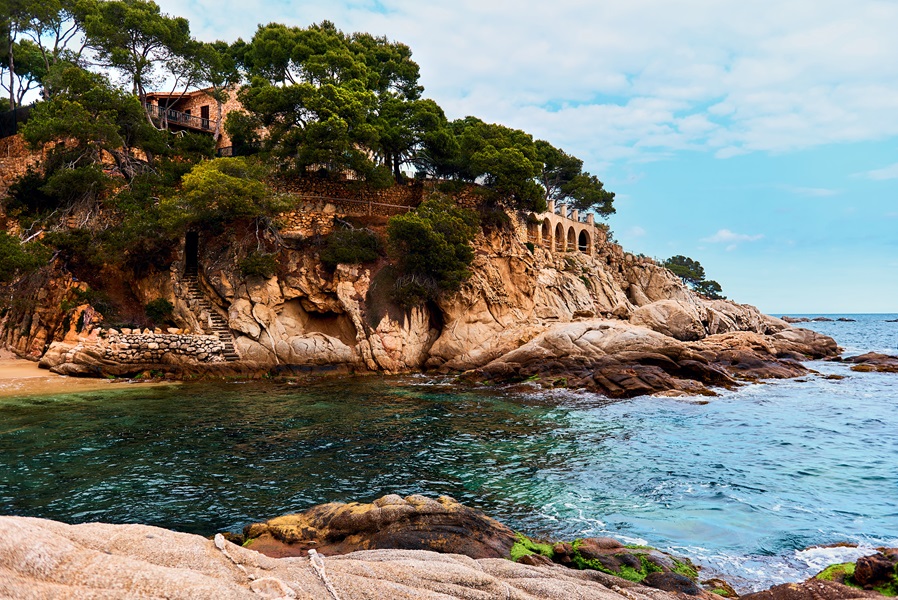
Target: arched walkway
pixel 584 242
pixel 560 229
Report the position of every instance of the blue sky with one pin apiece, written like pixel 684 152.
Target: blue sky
pixel 758 138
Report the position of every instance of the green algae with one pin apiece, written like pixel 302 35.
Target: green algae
pixel 525 546
pixel 625 572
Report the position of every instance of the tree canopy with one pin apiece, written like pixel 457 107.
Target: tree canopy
pixel 692 274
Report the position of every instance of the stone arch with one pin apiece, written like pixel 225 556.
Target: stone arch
pixel 547 234
pixel 584 242
pixel 571 240
pixel 559 238
pixel 533 233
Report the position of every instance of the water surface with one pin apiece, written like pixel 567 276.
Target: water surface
pixel 741 484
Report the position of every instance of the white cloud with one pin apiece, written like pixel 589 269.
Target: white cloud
pixel 811 192
pixel 725 236
pixel 612 81
pixel 636 231
pixel 890 172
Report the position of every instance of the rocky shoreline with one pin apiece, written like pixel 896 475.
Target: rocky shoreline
pixel 413 547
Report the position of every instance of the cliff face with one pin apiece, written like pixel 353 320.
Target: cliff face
pixel 518 297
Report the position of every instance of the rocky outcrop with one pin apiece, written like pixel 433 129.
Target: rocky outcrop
pixel 873 361
pixel 391 522
pixel 47 559
pixel 623 360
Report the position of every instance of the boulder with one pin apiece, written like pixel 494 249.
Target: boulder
pixel 678 320
pixel 391 522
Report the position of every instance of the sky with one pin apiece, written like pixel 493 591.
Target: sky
pixel 759 138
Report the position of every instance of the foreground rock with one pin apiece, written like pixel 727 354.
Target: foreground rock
pixel 47 559
pixel 391 522
pixel 869 577
pixel 624 360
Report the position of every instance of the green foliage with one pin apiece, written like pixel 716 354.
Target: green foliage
pixel 219 190
pixel 159 311
pixel 493 217
pixel 259 264
pixel 693 274
pixel 243 129
pixel 27 196
pixel 434 242
pixel 17 259
pixel 134 37
pixel 350 246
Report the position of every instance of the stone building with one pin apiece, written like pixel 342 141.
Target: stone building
pixel 193 111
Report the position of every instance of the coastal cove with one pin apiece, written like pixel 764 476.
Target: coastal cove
pixel 741 483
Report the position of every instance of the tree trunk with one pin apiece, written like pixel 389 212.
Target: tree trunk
pixel 12 68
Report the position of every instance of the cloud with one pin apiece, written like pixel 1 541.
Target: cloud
pixel 636 231
pixel 725 236
pixel 811 192
pixel 890 172
pixel 630 81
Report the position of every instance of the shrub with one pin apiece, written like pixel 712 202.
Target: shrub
pixel 434 242
pixel 259 264
pixel 413 290
pixel 17 259
pixel 493 217
pixel 350 246
pixel 159 311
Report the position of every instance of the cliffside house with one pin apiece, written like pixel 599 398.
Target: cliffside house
pixel 194 111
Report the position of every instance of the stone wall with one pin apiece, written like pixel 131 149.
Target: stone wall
pixel 355 193
pixel 141 348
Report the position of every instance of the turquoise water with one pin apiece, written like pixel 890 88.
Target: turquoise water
pixel 741 484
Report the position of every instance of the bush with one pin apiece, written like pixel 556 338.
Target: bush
pixel 434 242
pixel 493 217
pixel 412 290
pixel 17 259
pixel 350 246
pixel 159 311
pixel 259 264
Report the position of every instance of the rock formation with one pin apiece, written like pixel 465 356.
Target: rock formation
pixel 47 559
pixel 607 321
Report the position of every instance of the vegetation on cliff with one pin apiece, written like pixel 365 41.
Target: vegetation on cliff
pixel 692 274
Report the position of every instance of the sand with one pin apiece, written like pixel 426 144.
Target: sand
pixel 20 377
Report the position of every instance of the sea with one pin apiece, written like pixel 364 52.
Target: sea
pixel 755 485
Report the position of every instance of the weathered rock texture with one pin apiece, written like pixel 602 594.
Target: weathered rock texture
pixel 391 522
pixel 47 559
pixel 608 320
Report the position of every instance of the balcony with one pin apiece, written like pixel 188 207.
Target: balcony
pixel 170 116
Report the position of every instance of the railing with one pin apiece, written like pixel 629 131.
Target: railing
pixel 176 117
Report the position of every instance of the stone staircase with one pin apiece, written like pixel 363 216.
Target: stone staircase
pixel 216 323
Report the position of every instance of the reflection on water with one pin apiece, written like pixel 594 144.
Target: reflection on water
pixel 741 484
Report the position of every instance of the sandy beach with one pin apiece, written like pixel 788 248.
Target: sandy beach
pixel 19 377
